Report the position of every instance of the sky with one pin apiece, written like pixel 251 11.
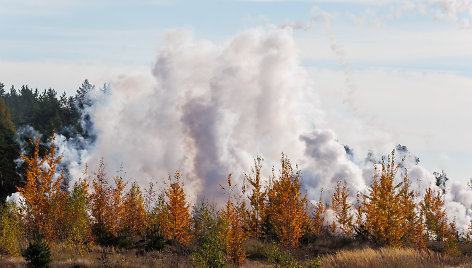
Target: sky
pixel 385 72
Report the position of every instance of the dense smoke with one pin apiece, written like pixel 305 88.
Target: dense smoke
pixel 208 109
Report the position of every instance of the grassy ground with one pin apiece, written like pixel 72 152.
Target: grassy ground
pixel 319 253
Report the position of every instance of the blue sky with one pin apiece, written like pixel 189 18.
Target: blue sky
pixel 409 60
pixel 84 30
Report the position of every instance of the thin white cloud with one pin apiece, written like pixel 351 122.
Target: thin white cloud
pixel 392 45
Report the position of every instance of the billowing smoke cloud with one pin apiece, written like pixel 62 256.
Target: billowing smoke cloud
pixel 209 109
pixel 329 162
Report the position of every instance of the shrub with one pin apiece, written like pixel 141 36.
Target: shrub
pixel 79 231
pixel 256 249
pixel 316 263
pixel 154 240
pixel 121 239
pixel 208 233
pixel 9 229
pixel 38 253
pixel 280 257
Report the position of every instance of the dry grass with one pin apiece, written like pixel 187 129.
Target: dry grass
pixel 389 257
pixel 11 262
pixel 98 256
pixel 109 257
pixel 352 256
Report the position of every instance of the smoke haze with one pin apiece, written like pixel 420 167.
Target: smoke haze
pixel 208 109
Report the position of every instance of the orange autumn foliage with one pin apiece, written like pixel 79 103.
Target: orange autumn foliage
pixel 43 209
pixel 387 213
pixel 118 206
pixel 102 209
pixel 318 217
pixel 342 210
pixel 412 223
pixel 178 223
pixel 235 233
pixel 135 217
pixel 434 214
pixel 256 199
pixel 287 208
pixel 452 239
pixel 389 208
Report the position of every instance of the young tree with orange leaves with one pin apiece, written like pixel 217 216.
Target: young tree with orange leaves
pixel 342 209
pixel 256 199
pixel 434 214
pixel 235 233
pixel 389 208
pixel 118 206
pixel 411 223
pixel 287 207
pixel 44 199
pixel 318 217
pixel 102 210
pixel 177 226
pixel 381 205
pixel 452 239
pixel 135 218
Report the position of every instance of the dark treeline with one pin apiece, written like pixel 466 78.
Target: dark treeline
pixel 46 112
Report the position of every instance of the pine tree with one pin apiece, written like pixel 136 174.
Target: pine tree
pixel 9 151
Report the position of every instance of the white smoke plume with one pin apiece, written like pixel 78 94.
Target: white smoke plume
pixel 209 109
pixel 319 14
